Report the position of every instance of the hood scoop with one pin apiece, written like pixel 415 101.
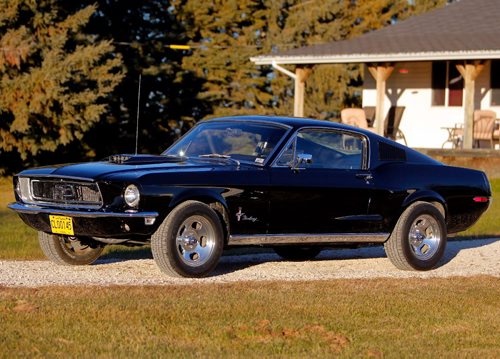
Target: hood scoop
pixel 126 159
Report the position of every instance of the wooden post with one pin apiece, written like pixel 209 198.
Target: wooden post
pixel 300 83
pixel 380 73
pixel 469 71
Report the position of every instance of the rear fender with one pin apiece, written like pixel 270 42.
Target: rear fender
pixel 426 196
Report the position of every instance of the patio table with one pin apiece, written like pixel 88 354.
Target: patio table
pixel 455 136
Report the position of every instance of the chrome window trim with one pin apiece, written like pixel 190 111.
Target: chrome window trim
pixel 365 152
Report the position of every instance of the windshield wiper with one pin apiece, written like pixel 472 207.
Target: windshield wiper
pixel 218 155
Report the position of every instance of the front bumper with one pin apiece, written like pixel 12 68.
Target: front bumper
pixel 91 223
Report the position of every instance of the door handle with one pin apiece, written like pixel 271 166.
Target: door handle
pixel 366 176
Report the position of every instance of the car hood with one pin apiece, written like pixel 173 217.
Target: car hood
pixel 129 166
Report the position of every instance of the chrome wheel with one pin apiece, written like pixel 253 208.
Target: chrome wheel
pixel 195 241
pixel 69 250
pixel 424 237
pixel 74 247
pixel 189 242
pixel 418 240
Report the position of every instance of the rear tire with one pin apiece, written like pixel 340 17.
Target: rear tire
pixel 67 250
pixel 297 253
pixel 189 242
pixel 418 240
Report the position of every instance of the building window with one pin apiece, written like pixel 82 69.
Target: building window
pixel 438 83
pixel 495 82
pixel 447 84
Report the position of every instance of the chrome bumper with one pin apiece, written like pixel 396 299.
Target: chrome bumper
pixel 32 209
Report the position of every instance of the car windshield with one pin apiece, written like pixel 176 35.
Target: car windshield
pixel 240 141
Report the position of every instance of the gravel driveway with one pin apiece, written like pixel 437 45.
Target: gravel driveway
pixel 462 258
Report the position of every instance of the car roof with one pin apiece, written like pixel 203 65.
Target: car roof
pixel 296 122
pixel 289 121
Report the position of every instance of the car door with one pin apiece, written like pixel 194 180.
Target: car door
pixel 320 183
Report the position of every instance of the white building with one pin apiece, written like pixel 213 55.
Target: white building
pixel 441 66
pixel 429 110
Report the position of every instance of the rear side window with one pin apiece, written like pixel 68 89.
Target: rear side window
pixel 387 152
pixel 329 149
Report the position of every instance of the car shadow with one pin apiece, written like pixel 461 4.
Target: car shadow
pixel 232 264
pixel 454 247
pixel 232 261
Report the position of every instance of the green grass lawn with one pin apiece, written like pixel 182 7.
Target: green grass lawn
pixel 404 318
pixel 18 241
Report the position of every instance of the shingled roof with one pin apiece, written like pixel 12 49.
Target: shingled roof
pixel 464 30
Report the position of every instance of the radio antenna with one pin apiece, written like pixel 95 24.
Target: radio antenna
pixel 138 112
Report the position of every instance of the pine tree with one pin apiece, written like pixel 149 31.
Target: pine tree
pixel 225 35
pixel 55 79
pixel 304 23
pixel 143 32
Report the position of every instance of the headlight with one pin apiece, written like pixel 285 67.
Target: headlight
pixel 23 189
pixel 18 188
pixel 132 195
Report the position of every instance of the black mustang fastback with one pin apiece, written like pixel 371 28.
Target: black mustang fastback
pixel 295 185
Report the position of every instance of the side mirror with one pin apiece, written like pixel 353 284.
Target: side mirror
pixel 302 158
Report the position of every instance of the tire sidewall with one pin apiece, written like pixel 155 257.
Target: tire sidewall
pixel 418 210
pixel 195 209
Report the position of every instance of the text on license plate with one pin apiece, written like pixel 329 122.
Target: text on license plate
pixel 61 225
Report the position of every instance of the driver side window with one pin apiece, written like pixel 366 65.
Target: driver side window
pixel 329 149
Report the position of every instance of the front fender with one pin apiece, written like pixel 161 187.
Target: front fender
pixel 205 195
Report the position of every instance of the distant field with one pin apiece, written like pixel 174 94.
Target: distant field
pixel 18 241
pixel 440 318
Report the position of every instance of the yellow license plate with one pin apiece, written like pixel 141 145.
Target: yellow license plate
pixel 61 225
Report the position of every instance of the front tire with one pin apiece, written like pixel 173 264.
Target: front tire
pixel 67 250
pixel 418 240
pixel 189 242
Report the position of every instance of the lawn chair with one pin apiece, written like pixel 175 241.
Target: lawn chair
pixel 496 133
pixel 484 128
pixel 392 122
pixel 370 115
pixel 354 117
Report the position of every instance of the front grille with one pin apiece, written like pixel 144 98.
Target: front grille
pixel 66 192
